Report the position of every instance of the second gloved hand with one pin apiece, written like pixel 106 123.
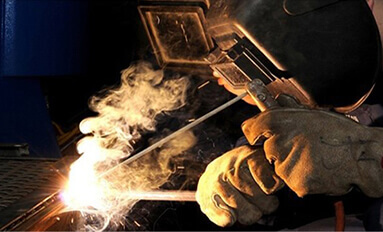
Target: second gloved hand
pixel 229 189
pixel 319 152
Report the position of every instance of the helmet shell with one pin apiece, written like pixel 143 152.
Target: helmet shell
pixel 331 48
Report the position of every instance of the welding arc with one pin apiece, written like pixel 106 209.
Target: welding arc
pixel 178 132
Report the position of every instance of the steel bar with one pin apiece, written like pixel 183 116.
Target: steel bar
pixel 178 132
pixel 49 206
pixel 163 195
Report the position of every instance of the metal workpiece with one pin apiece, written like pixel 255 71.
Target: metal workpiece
pixel 28 186
pixel 261 96
pixel 29 201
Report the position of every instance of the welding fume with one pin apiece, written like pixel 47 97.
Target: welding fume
pixel 312 71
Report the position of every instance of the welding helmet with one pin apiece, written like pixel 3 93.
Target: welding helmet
pixel 323 52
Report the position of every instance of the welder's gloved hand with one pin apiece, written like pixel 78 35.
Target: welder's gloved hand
pixel 319 152
pixel 229 189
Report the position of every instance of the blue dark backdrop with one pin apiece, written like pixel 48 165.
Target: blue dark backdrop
pixel 54 54
pixel 38 38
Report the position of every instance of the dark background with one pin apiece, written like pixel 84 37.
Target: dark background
pixel 56 54
pixel 114 37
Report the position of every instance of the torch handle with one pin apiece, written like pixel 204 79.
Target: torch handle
pixel 261 95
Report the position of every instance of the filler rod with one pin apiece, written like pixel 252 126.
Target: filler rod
pixel 163 195
pixel 178 132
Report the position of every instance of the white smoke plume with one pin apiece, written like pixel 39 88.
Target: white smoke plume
pixel 124 113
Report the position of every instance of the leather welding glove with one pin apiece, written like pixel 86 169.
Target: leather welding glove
pixel 229 188
pixel 320 152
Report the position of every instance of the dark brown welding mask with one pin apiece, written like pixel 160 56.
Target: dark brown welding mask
pixel 324 52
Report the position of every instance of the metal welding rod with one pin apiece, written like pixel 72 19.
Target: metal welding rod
pixel 178 132
pixel 163 195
